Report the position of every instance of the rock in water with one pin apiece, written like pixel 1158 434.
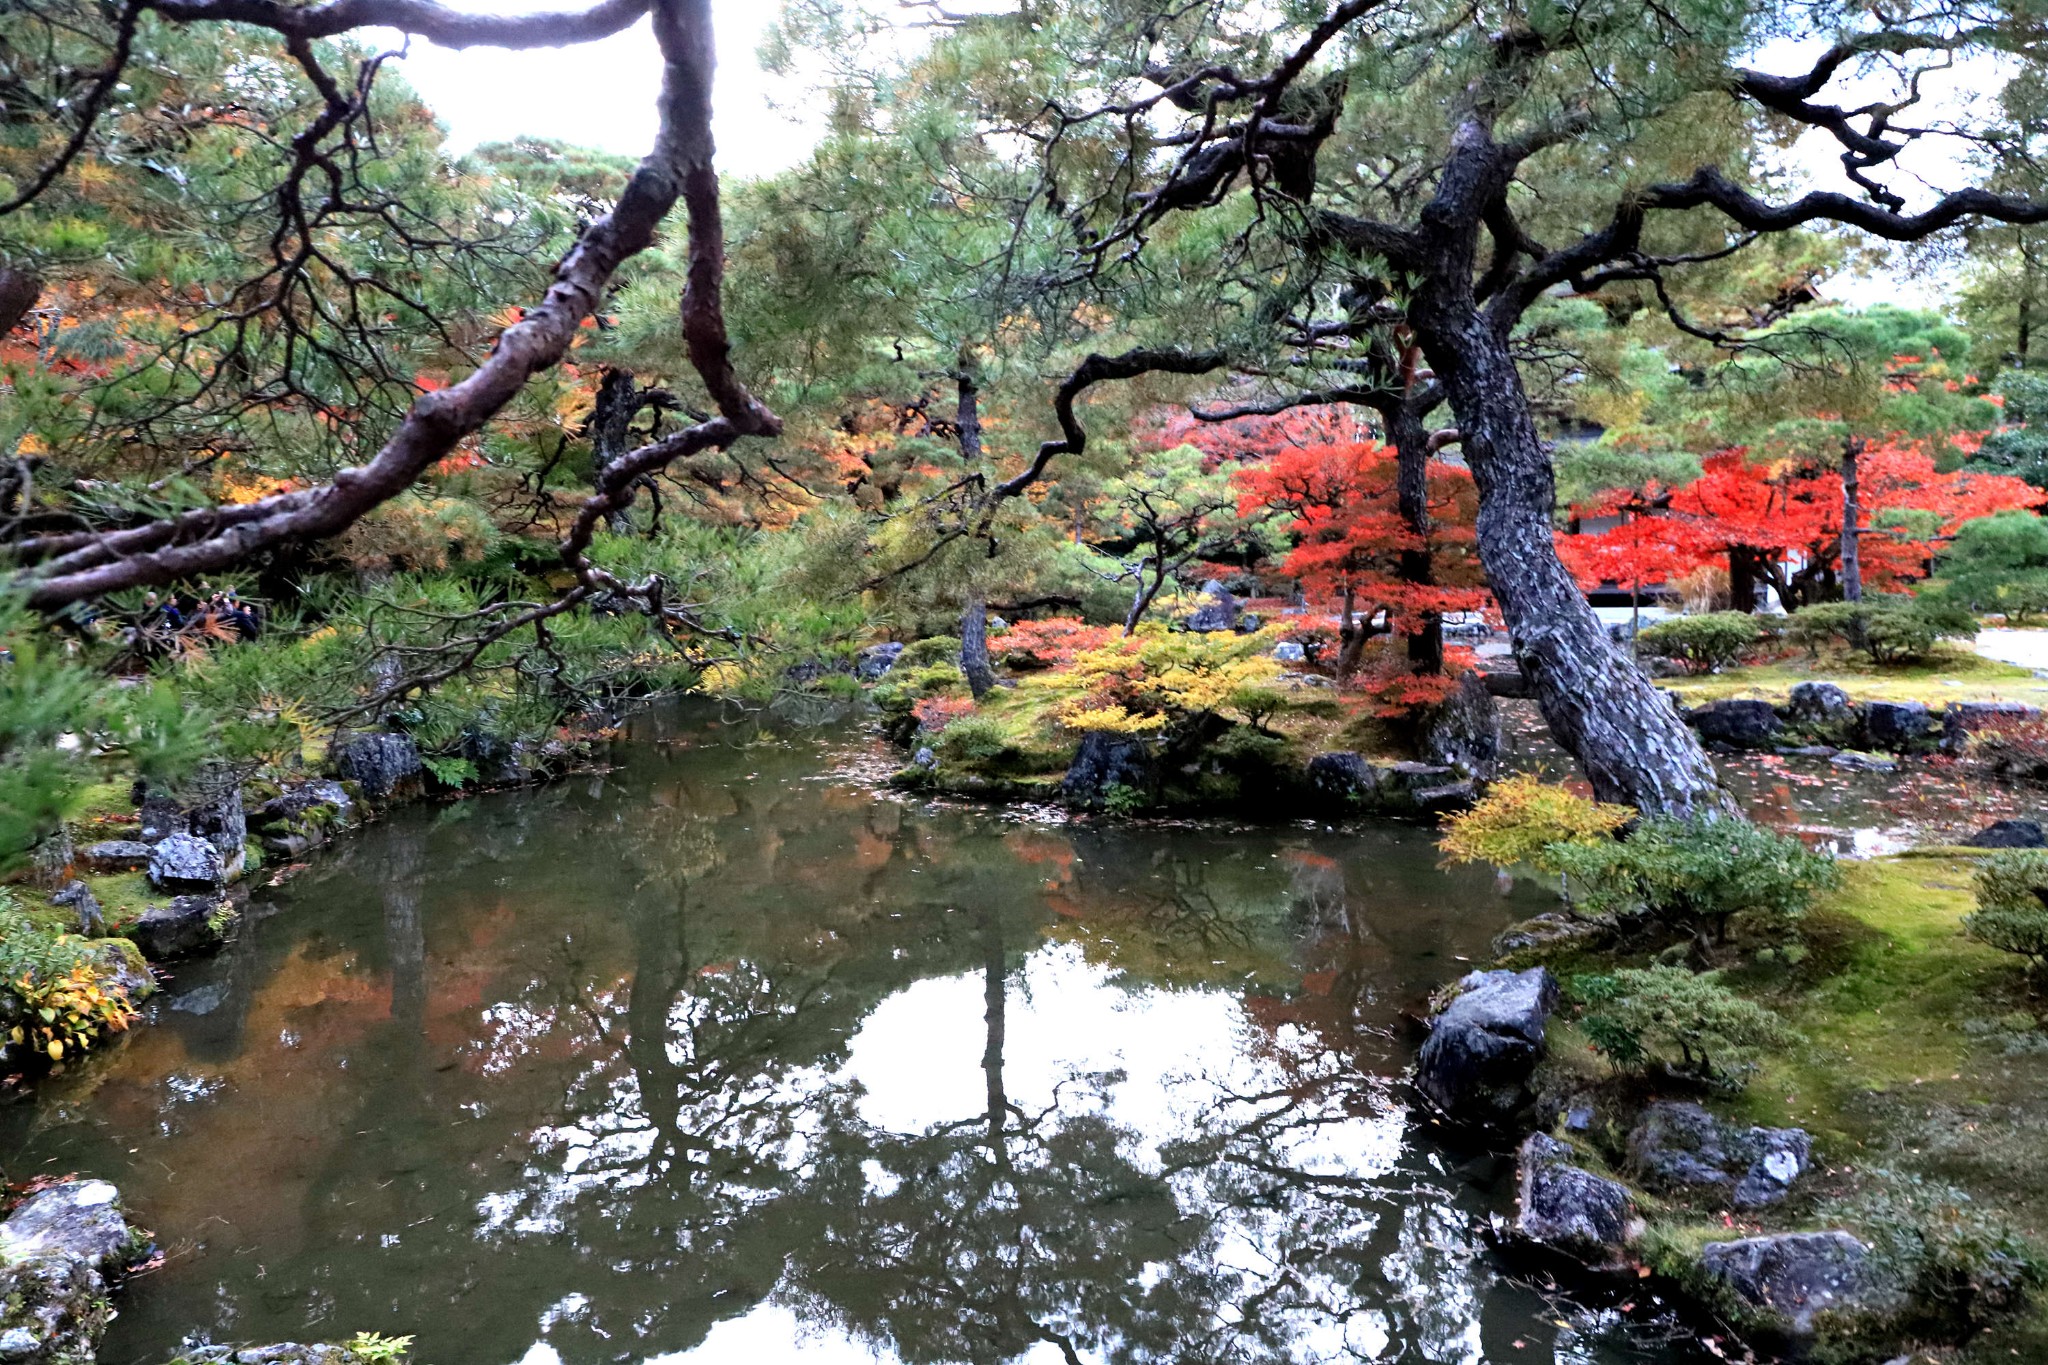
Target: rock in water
pixel 1345 778
pixel 1896 725
pixel 59 1250
pixel 876 660
pixel 385 766
pixel 1465 733
pixel 184 926
pixel 1788 1279
pixel 2002 834
pixel 1739 722
pixel 1563 1208
pixel 1818 701
pixel 1484 1047
pixel 185 862
pixel 1678 1143
pixel 1104 761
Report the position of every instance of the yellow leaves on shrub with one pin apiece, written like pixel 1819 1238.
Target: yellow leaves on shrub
pixel 1113 720
pixel 65 1014
pixel 1522 816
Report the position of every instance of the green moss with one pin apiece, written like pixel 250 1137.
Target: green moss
pixel 123 896
pixel 1949 674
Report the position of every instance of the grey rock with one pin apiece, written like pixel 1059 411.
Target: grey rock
pixel 1856 761
pixel 876 660
pixel 160 815
pixel 1739 722
pixel 278 1353
pixel 1345 778
pixel 1787 1279
pixel 184 926
pixel 214 813
pixel 1555 929
pixel 84 906
pixel 322 802
pixel 116 855
pixel 19 1343
pixel 1104 761
pixel 1465 733
pixel 2009 834
pixel 924 758
pixel 1219 610
pixel 1248 624
pixel 1290 652
pixel 1822 701
pixel 1896 724
pixel 1566 1209
pixel 383 766
pixel 80 1218
pixel 1961 719
pixel 1447 799
pixel 122 970
pixel 185 862
pixel 1486 1044
pixel 1678 1143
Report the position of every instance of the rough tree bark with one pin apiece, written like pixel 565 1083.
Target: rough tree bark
pixel 1410 439
pixel 1852 516
pixel 974 660
pixel 19 290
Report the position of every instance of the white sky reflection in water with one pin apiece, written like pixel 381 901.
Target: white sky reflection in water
pixel 1155 1062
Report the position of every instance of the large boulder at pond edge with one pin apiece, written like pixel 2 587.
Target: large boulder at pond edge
pixel 1485 1045
pixel 186 862
pixel 1738 722
pixel 872 663
pixel 1465 733
pixel 383 766
pixel 1679 1144
pixel 1345 779
pixel 2009 834
pixel 1784 1281
pixel 185 926
pixel 1105 761
pixel 60 1249
pixel 1896 725
pixel 1821 702
pixel 1219 611
pixel 1565 1209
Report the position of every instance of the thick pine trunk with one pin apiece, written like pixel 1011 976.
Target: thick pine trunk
pixel 974 661
pixel 1625 734
pixel 1410 440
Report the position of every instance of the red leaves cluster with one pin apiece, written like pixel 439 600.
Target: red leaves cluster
pixel 1788 508
pixel 1343 513
pixel 1051 643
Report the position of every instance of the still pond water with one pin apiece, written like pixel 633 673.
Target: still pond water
pixel 725 1057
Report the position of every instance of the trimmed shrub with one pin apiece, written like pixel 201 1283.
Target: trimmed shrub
pixel 1894 628
pixel 2012 905
pixel 1703 644
pixel 1521 818
pixel 1687 1024
pixel 1960 1263
pixel 1698 871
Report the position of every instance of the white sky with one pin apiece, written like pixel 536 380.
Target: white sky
pixel 602 95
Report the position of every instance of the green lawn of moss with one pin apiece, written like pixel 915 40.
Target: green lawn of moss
pixel 1950 674
pixel 1921 1052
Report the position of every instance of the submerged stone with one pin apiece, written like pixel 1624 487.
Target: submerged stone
pixel 1486 1044
pixel 1569 1210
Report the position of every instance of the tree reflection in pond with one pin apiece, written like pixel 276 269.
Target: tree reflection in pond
pixel 710 1059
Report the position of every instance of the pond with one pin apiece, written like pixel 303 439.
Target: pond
pixel 725 1055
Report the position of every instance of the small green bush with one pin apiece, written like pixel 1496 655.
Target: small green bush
pixel 1705 643
pixel 975 742
pixel 933 649
pixel 2012 905
pixel 1895 628
pixel 1960 1263
pixel 1685 1023
pixel 1697 871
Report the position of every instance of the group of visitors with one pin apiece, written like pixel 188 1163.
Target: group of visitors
pixel 200 613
